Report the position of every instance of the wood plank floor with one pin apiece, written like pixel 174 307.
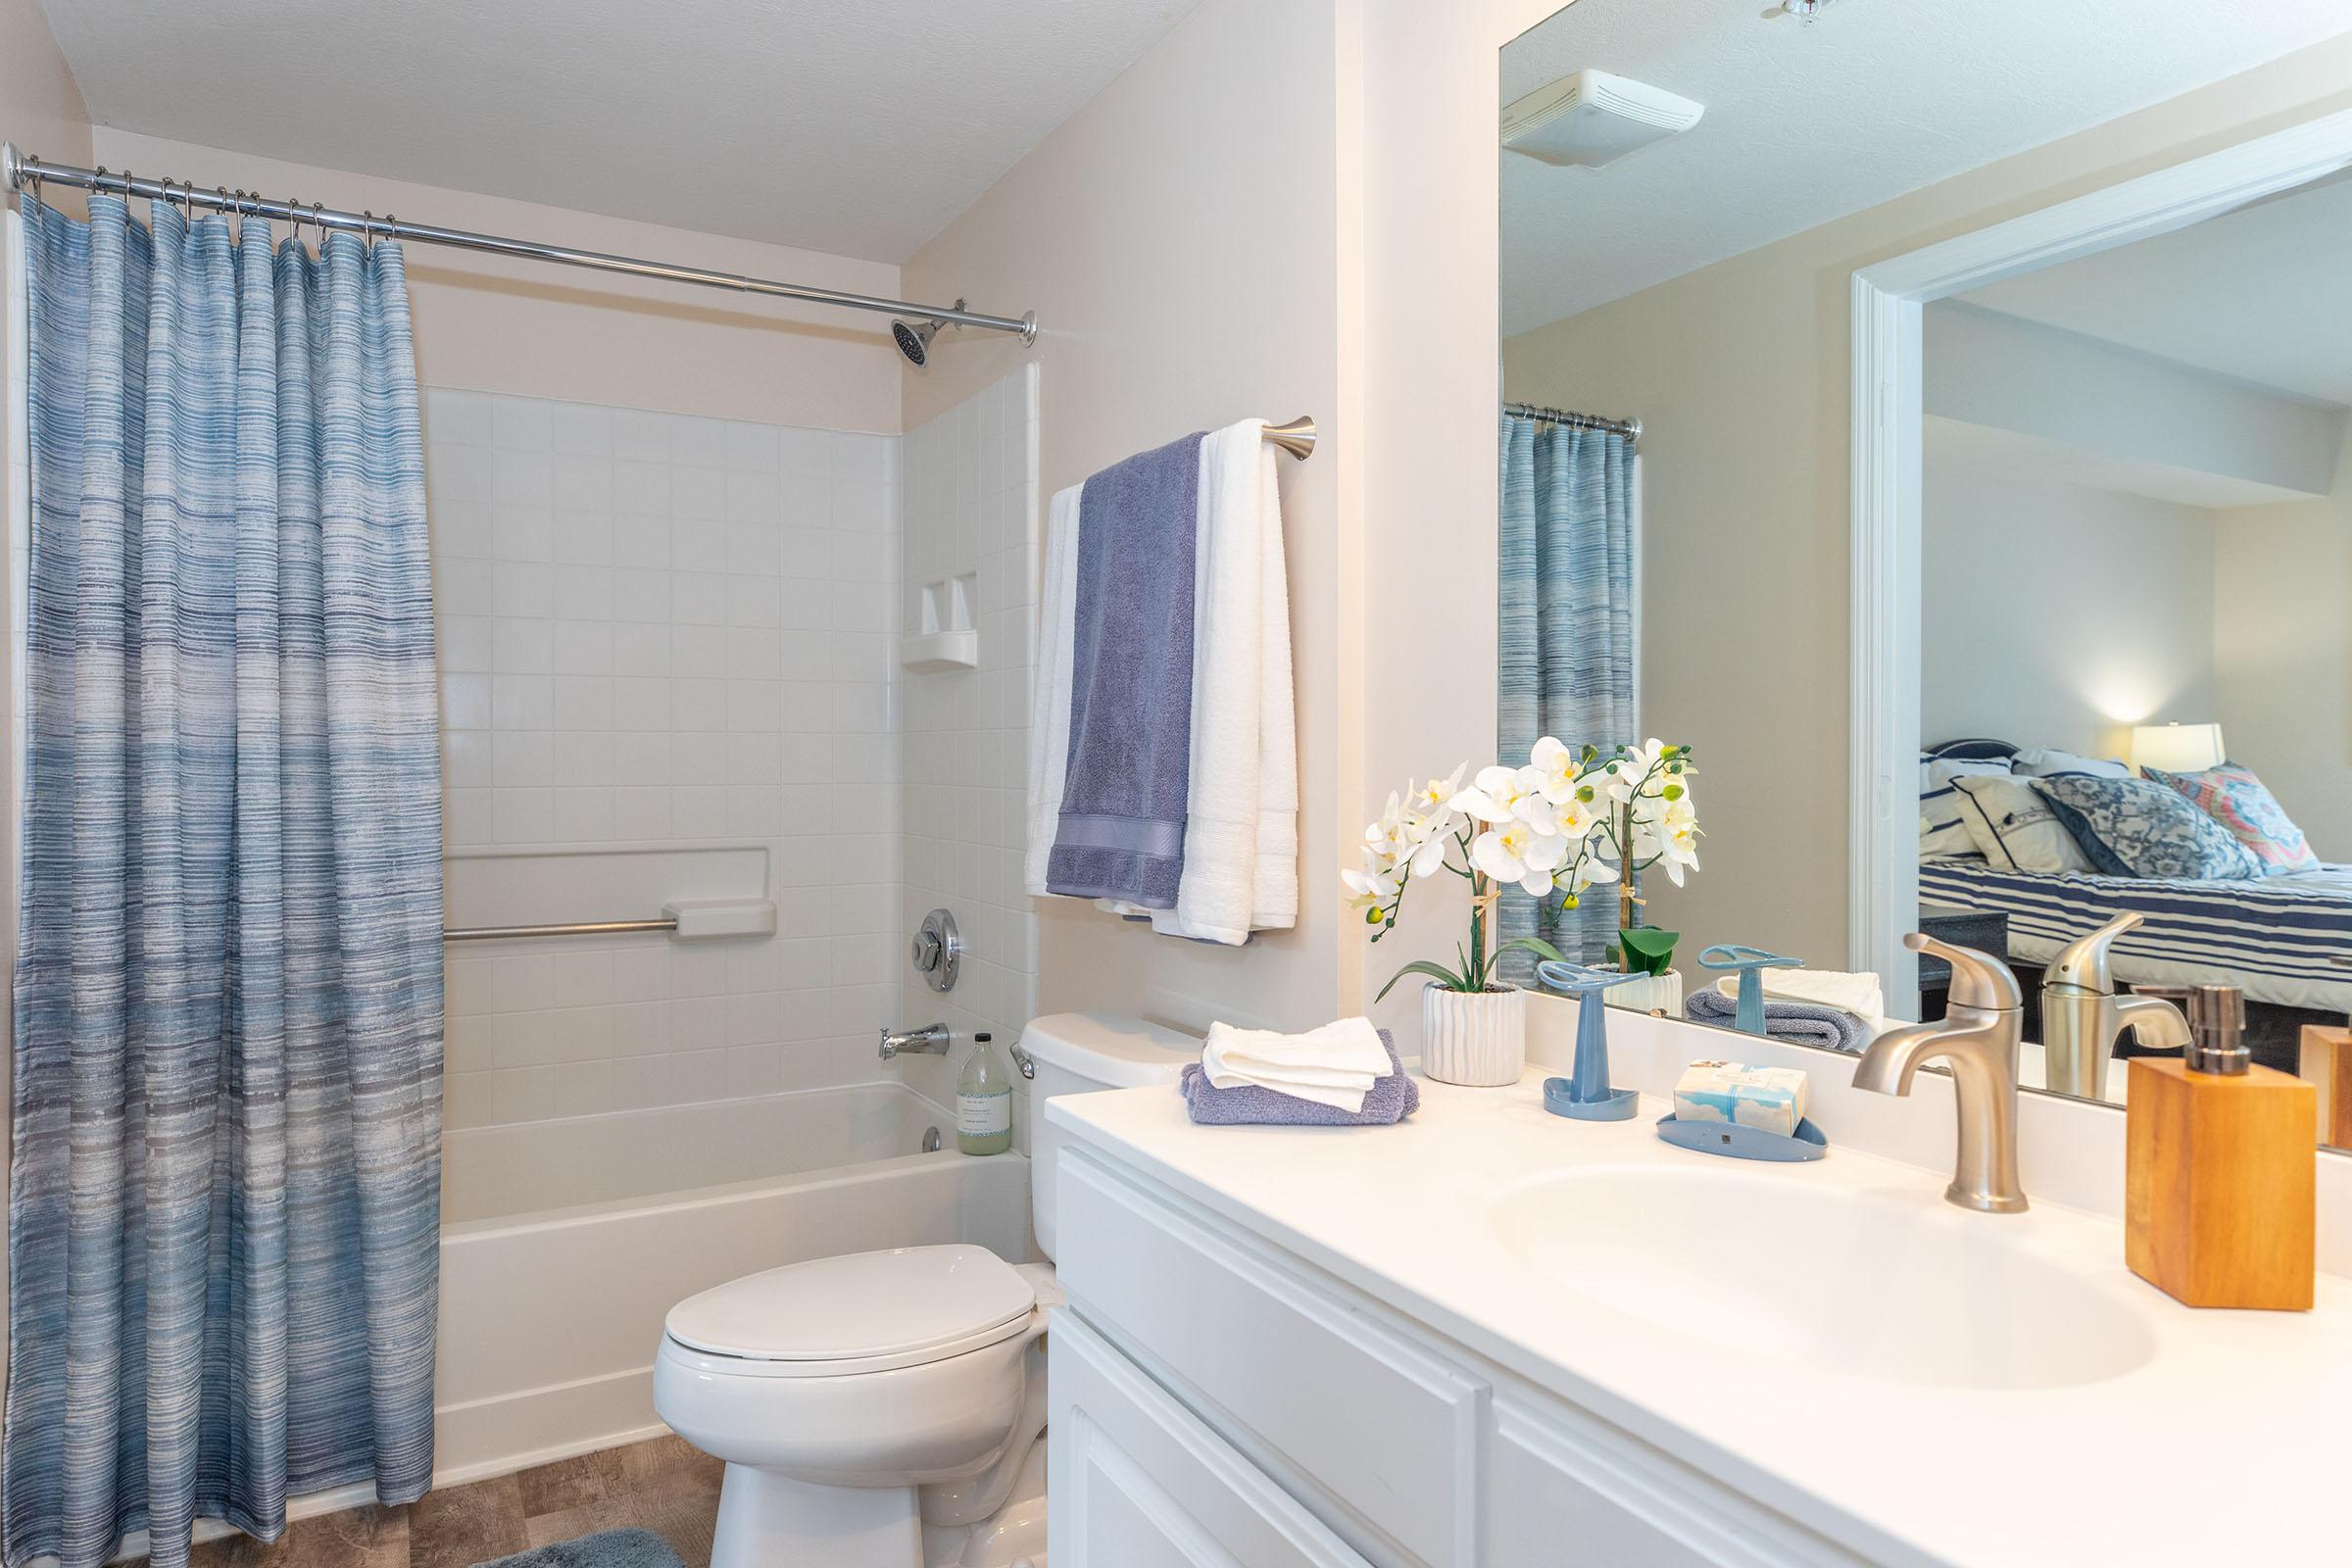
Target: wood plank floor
pixel 662 1486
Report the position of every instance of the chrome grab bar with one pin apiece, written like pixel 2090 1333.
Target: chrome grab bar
pixel 584 928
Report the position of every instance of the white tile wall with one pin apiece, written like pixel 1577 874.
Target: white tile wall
pixel 971 506
pixel 664 630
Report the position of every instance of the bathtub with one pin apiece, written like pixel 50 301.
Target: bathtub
pixel 564 1243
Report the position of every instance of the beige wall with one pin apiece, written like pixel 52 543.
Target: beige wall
pixel 2282 579
pixel 1180 240
pixel 1739 375
pixel 495 326
pixel 2056 614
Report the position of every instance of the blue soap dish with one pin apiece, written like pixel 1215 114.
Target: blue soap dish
pixel 1559 1097
pixel 1736 1142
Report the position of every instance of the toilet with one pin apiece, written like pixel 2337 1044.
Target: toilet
pixel 858 1399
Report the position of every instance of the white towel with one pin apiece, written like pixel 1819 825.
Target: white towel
pixel 1857 994
pixel 1049 686
pixel 1335 1066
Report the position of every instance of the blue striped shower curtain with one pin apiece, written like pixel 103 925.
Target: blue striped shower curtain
pixel 224 1191
pixel 1567 611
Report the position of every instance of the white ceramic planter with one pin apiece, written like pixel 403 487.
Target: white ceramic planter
pixel 1476 1038
pixel 1660 992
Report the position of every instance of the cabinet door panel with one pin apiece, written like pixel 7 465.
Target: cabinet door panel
pixel 1570 1493
pixel 1374 1419
pixel 1139 1481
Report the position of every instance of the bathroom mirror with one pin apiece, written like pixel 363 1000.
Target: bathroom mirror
pixel 2112 625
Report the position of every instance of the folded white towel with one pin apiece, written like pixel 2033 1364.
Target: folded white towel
pixel 1857 994
pixel 1049 686
pixel 1335 1066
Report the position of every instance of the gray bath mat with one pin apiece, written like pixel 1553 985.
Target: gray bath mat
pixel 606 1549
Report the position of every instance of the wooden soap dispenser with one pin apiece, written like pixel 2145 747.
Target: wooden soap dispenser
pixel 2219 1171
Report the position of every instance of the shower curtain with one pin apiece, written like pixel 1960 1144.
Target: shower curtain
pixel 225 1183
pixel 1567 613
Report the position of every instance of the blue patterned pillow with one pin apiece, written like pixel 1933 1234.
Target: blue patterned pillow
pixel 2133 828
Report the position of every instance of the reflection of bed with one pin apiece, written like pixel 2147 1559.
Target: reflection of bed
pixel 2278 937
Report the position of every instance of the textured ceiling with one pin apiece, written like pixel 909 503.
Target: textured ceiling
pixel 1807 124
pixel 859 127
pixel 2262 294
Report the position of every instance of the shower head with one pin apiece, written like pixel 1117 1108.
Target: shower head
pixel 914 339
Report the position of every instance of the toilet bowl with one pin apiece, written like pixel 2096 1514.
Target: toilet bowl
pixel 857 1398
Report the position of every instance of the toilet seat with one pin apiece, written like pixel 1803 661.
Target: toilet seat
pixel 856 1313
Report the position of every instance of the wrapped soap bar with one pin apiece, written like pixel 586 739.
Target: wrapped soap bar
pixel 1772 1098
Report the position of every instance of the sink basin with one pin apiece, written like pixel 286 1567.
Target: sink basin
pixel 1771 1262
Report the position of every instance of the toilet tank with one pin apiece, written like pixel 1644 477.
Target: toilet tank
pixel 1076 1053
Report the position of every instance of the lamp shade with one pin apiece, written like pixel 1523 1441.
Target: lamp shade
pixel 2178 748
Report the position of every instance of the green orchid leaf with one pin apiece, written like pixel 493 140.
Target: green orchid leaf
pixel 1648 950
pixel 1435 972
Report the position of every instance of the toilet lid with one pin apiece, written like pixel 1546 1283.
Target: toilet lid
pixel 859 1307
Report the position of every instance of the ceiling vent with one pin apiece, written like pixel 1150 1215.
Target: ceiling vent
pixel 1593 117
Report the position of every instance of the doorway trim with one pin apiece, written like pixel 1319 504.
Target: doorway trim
pixel 1889 299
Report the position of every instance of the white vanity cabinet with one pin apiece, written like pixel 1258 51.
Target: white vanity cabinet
pixel 1218 1401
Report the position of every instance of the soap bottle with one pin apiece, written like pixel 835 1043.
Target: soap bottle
pixel 984 1100
pixel 2219 1169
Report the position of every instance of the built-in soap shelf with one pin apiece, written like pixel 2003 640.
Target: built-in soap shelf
pixel 948 638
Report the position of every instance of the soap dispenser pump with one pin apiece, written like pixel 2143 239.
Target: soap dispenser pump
pixel 2219 1169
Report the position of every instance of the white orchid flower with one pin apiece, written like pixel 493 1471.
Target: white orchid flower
pixel 1518 851
pixel 1431 837
pixel 1436 798
pixel 1496 796
pixel 1389 835
pixel 1555 768
pixel 1575 820
pixel 1678 847
pixel 1373 889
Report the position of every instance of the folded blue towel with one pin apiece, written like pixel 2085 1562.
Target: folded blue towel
pixel 1123 802
pixel 1803 1023
pixel 1391 1099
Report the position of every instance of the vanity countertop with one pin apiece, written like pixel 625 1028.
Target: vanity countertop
pixel 2224 1447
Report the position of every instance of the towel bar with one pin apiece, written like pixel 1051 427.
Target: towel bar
pixel 584 928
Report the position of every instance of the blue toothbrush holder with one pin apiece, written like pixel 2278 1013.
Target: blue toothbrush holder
pixel 1588 1095
pixel 1746 962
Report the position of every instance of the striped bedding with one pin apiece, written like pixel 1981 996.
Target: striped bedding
pixel 2277 937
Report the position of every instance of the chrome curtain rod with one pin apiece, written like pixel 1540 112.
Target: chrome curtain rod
pixel 1631 430
pixel 22 168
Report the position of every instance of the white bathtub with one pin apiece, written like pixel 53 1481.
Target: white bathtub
pixel 564 1243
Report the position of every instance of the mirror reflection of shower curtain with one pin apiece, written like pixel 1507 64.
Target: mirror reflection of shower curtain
pixel 1570 589
pixel 225 1194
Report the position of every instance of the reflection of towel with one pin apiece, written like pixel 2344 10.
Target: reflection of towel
pixel 1857 994
pixel 1802 1023
pixel 1335 1066
pixel 1123 802
pixel 1392 1098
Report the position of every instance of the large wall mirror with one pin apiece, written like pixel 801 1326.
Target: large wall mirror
pixel 2105 619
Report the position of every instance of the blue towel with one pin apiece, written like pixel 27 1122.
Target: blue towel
pixel 1391 1099
pixel 1802 1023
pixel 1121 830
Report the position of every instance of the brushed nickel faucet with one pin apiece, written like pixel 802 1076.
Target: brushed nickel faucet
pixel 1979 1039
pixel 2081 1015
pixel 931 1040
